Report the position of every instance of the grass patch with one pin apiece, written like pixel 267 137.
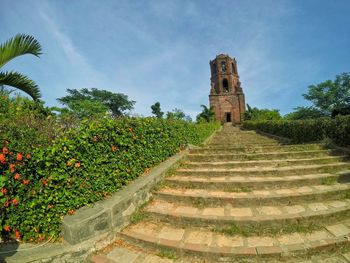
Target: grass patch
pixel 159 186
pixel 167 253
pixel 328 181
pixel 247 231
pixel 139 215
pixel 232 230
pixel 199 203
pixel 238 189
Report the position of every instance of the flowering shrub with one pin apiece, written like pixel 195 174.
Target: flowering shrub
pixel 87 164
pixel 337 129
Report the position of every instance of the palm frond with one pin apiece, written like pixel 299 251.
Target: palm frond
pixel 21 82
pixel 19 45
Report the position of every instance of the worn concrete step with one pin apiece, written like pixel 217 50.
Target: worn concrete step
pixel 261 156
pixel 266 170
pixel 257 148
pixel 226 143
pixel 269 218
pixel 128 253
pixel 247 197
pixel 214 246
pixel 261 163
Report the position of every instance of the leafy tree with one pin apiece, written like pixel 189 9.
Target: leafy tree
pixel 302 113
pixel 256 114
pixel 83 109
pixel 87 101
pixel 156 110
pixel 19 45
pixel 330 95
pixel 207 114
pixel 175 114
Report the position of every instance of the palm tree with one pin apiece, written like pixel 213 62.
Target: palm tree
pixel 207 114
pixel 19 45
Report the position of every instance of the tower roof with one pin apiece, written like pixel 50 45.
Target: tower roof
pixel 222 56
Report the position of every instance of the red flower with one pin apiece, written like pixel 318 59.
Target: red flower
pixel 7 203
pixel 15 201
pixel 5 150
pixel 77 165
pixel 17 176
pixel 44 182
pixel 3 191
pixel 7 228
pixel 69 163
pixel 71 212
pixel 25 182
pixel 114 148
pixel 12 167
pixel 2 158
pixel 28 156
pixel 19 157
pixel 18 235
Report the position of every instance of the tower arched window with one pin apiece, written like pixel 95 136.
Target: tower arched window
pixel 225 85
pixel 233 68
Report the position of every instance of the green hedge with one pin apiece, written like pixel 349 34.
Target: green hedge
pixel 337 129
pixel 89 163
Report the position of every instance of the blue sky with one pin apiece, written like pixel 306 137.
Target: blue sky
pixel 160 50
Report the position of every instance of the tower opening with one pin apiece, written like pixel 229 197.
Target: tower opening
pixel 233 68
pixel 225 85
pixel 228 116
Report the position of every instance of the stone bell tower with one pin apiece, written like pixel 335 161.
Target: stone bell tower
pixel 226 94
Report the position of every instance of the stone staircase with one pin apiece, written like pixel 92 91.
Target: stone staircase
pixel 249 198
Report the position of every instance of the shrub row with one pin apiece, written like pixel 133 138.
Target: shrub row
pixel 337 129
pixel 85 165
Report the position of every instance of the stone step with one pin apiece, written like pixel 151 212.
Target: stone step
pixel 214 246
pixel 226 143
pixel 261 156
pixel 257 148
pixel 267 218
pixel 126 254
pixel 289 196
pixel 261 163
pixel 266 170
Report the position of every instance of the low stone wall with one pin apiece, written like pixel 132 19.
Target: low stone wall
pixel 95 226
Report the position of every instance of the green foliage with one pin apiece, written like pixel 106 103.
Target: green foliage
pixel 337 129
pixel 175 114
pixel 19 45
pixel 84 101
pixel 156 110
pixel 83 109
pixel 255 114
pixel 29 124
pixel 303 113
pixel 83 165
pixel 330 95
pixel 207 114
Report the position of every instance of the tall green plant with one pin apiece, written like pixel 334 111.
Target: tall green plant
pixel 206 115
pixel 19 45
